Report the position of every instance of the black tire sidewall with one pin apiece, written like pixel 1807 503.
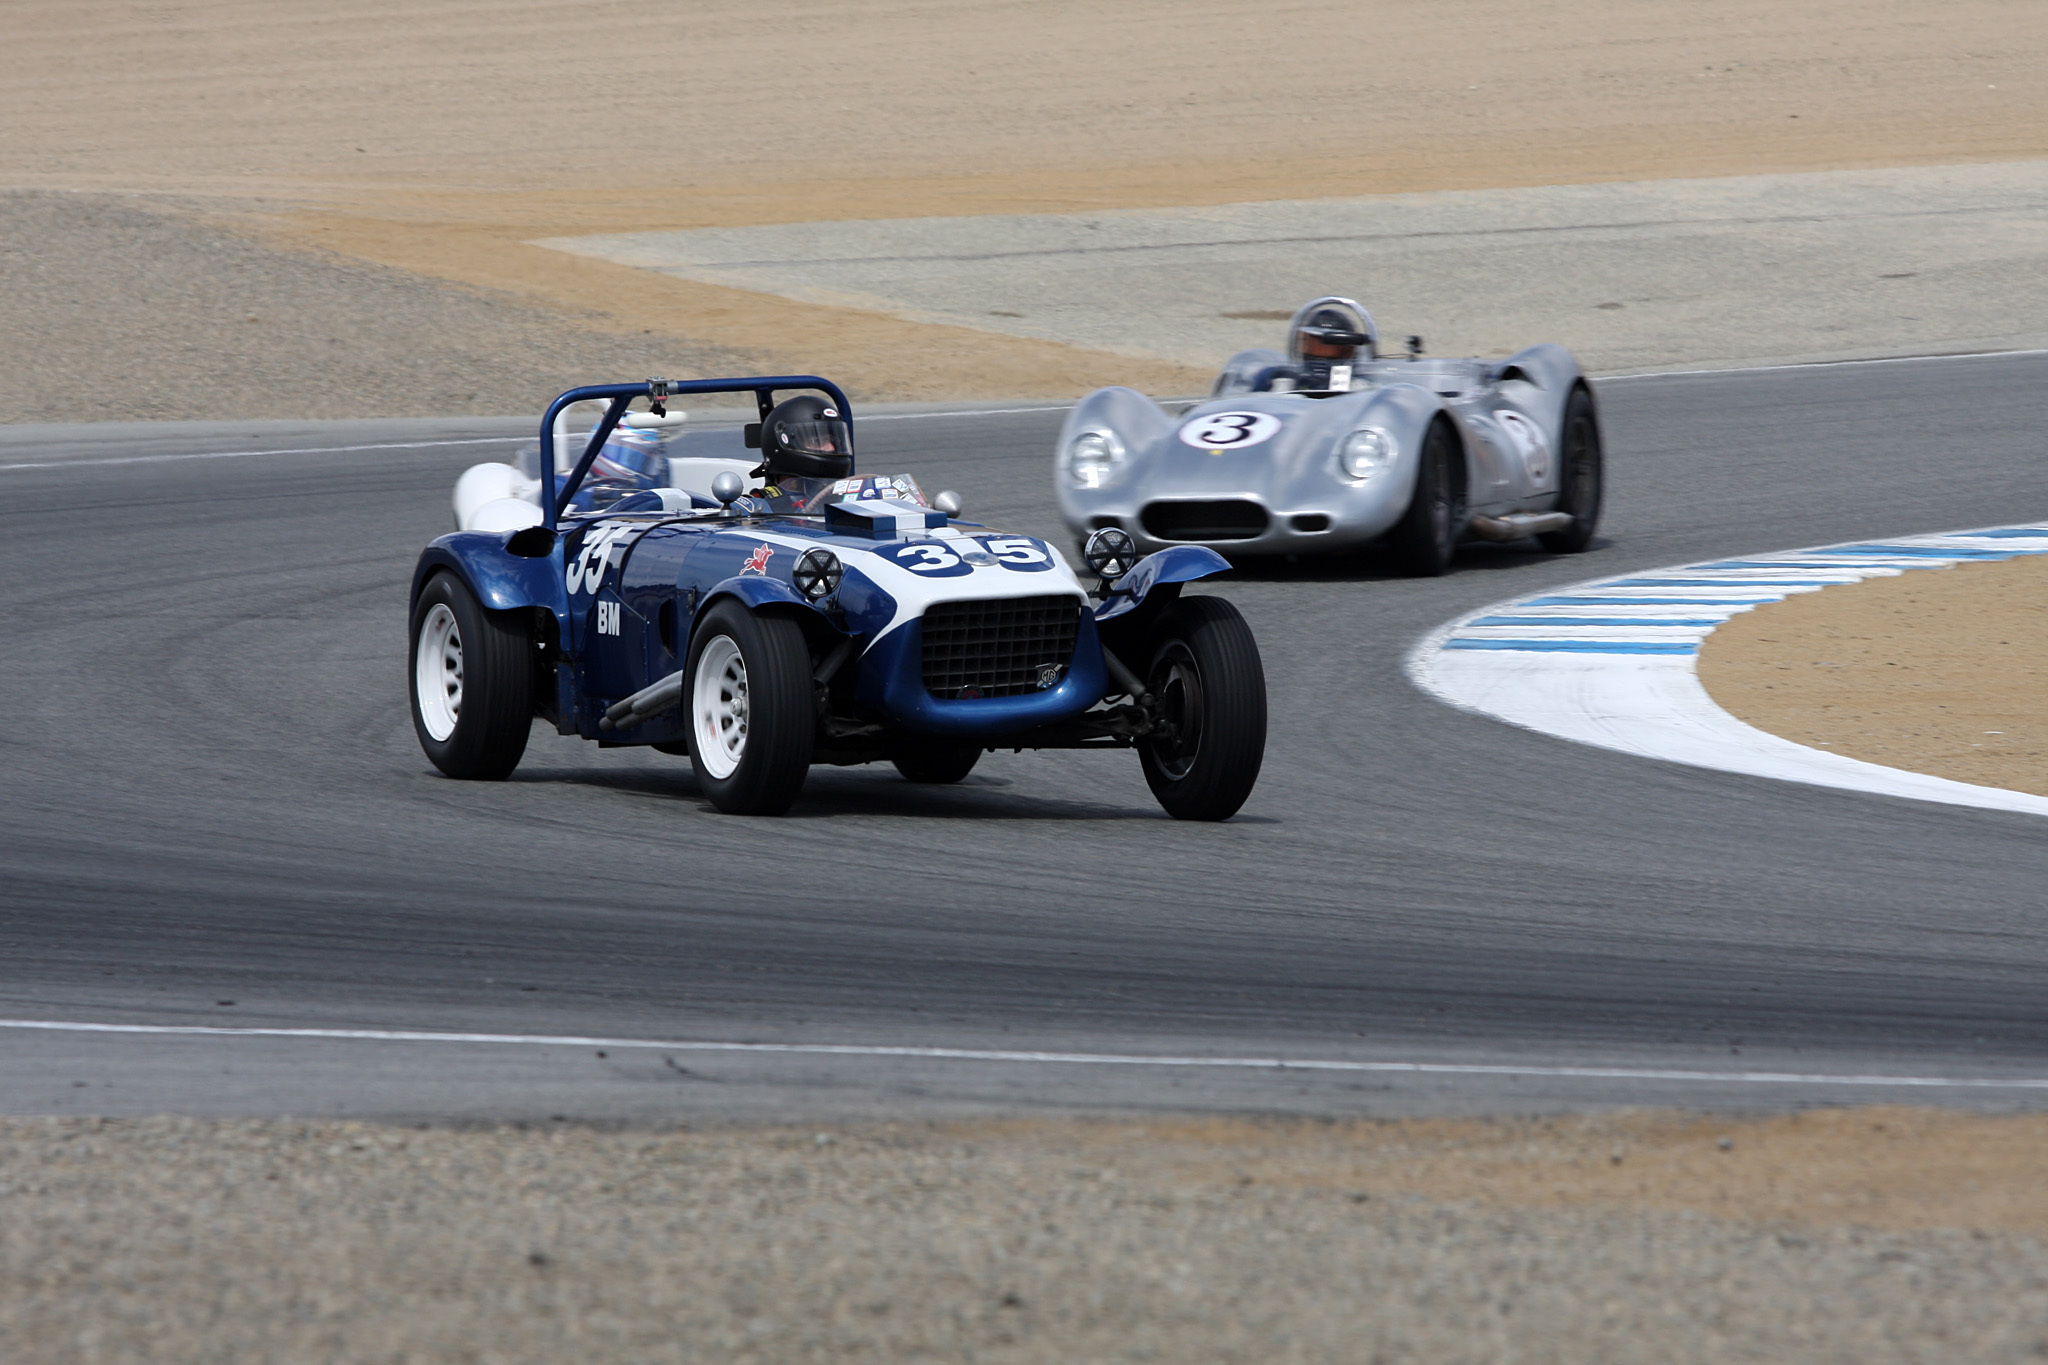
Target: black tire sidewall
pixel 781 715
pixel 1570 494
pixel 491 729
pixel 1232 685
pixel 1423 545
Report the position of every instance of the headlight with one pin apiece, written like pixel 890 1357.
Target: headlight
pixel 817 574
pixel 1110 552
pixel 1093 457
pixel 1364 454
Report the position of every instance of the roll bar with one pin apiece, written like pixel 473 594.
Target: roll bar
pixel 657 392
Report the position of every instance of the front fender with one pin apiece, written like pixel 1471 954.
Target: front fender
pixel 1176 564
pixel 501 580
pixel 756 591
pixel 1135 420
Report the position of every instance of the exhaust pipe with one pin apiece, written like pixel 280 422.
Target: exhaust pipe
pixel 1515 525
pixel 648 702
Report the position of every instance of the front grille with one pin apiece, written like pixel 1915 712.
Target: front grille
pixel 1234 519
pixel 1000 648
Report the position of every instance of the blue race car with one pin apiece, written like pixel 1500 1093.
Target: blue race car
pixel 819 616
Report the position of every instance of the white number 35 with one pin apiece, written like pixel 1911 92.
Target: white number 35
pixel 930 557
pixel 1016 551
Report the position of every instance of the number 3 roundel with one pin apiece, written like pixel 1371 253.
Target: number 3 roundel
pixel 1229 430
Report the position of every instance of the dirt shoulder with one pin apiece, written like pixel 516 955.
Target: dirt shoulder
pixel 1873 1235
pixel 440 140
pixel 1935 671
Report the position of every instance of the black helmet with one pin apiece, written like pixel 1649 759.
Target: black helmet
pixel 806 437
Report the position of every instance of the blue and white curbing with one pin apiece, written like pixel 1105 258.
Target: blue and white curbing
pixel 1612 662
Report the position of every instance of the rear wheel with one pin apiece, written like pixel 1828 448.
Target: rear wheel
pixel 1581 475
pixel 752 714
pixel 472 682
pixel 1426 537
pixel 1209 694
pixel 935 761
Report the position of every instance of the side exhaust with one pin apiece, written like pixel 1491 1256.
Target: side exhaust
pixel 648 702
pixel 1515 525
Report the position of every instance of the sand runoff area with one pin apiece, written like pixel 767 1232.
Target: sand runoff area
pixel 440 142
pixel 339 205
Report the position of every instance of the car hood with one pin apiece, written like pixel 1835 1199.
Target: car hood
pixel 914 569
pixel 1254 443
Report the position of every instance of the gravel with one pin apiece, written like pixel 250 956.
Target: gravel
pixel 181 1240
pixel 113 310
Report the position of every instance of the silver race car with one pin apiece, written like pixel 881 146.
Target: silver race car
pixel 1332 446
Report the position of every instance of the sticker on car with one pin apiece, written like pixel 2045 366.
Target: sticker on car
pixel 586 571
pixel 1230 430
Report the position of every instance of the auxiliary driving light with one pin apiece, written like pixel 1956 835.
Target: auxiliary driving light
pixel 817 574
pixel 1110 552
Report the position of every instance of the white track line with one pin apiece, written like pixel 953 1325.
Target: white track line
pixel 981 412
pixel 1821 364
pixel 965 412
pixel 1612 662
pixel 464 441
pixel 957 1054
pixel 251 454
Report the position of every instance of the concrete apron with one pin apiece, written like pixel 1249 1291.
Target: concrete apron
pixel 1639 276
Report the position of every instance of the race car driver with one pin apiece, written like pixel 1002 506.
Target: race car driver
pixel 1328 346
pixel 806 446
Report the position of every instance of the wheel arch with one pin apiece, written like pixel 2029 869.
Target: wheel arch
pixel 767 596
pixel 499 579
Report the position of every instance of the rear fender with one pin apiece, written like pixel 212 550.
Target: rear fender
pixel 1540 381
pixel 501 580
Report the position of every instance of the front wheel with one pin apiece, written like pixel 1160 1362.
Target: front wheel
pixel 1426 537
pixel 1581 473
pixel 1209 697
pixel 752 714
pixel 472 682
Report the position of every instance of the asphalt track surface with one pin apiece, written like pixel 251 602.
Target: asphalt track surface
pixel 214 795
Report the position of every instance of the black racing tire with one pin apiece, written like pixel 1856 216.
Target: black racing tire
pixel 1581 475
pixel 751 709
pixel 934 761
pixel 472 682
pixel 1426 538
pixel 1209 692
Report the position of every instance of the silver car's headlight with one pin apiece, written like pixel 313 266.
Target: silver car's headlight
pixel 1092 457
pixel 1364 453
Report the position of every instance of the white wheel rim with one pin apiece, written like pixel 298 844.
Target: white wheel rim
pixel 718 708
pixel 437 672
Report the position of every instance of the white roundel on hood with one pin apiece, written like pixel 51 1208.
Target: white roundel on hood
pixel 1230 430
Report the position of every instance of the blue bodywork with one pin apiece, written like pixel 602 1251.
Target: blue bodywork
pixel 613 597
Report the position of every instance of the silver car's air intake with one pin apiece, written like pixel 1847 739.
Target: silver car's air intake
pixel 1220 519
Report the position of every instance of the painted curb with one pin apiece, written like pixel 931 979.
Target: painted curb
pixel 1612 662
